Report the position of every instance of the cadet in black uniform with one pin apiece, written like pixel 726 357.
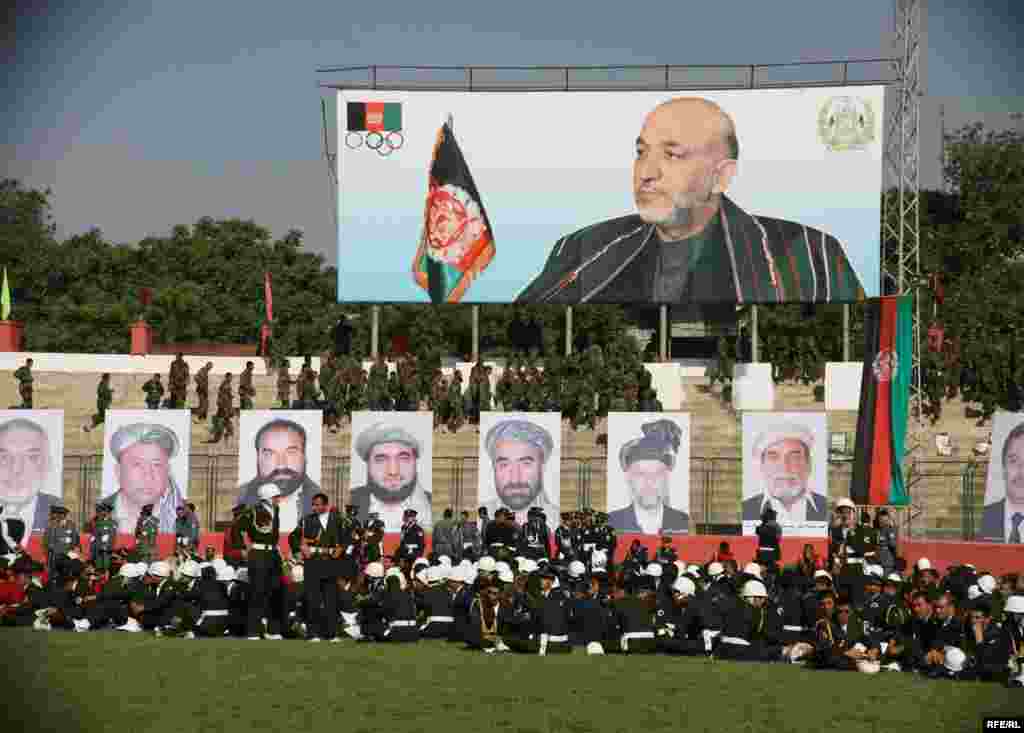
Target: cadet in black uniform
pixel 321 544
pixel 534 538
pixel 681 630
pixel 750 632
pixel 261 529
pixel 548 627
pixel 565 552
pixel 413 543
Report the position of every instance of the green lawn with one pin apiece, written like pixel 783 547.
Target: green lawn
pixel 133 684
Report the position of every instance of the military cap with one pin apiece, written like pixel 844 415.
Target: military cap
pixel 384 433
pixel 522 431
pixel 143 432
pixel 410 513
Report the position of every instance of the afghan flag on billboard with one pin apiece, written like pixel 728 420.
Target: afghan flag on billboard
pixel 884 401
pixel 457 242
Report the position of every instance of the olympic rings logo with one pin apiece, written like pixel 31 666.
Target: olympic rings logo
pixel 383 144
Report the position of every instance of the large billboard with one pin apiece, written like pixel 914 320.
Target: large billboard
pixel 31 466
pixel 1002 519
pixel 738 196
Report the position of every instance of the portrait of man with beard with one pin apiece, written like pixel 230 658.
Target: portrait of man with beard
pixel 142 472
pixel 519 449
pixel 282 458
pixel 393 483
pixel 783 462
pixel 647 464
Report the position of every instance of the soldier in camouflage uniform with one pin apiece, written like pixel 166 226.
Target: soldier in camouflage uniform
pixel 395 397
pixel 146 530
pixel 284 385
pixel 438 398
pixel 103 530
pixel 377 384
pixel 61 537
pixel 246 390
pixel 104 397
pixel 309 393
pixel 154 390
pixel 177 382
pixel 24 376
pixel 456 411
pixel 502 388
pixel 202 380
pixel 222 420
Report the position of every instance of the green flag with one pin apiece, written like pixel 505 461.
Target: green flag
pixel 5 300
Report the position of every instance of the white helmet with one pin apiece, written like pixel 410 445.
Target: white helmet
pixel 505 575
pixel 754 589
pixel 225 574
pixel 375 570
pixel 874 571
pixel 133 570
pixel 444 560
pixel 502 567
pixel 954 659
pixel 486 564
pixel 577 569
pixel 598 559
pixel 845 503
pixel 1014 604
pixel 298 573
pixel 987 584
pixel 190 569
pixel 219 562
pixel 715 569
pixel 693 569
pixel 924 564
pixel 752 568
pixel 894 578
pixel 530 566
pixel 685 586
pixel 268 491
pixel 159 569
pixel 973 592
pixel 822 574
pixel 653 570
pixel 242 575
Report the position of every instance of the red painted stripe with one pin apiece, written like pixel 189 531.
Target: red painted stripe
pixel 881 454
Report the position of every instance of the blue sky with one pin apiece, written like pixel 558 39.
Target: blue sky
pixel 143 115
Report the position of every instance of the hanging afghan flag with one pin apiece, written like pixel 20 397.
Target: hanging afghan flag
pixel 884 401
pixel 457 242
pixel 5 299
pixel 268 296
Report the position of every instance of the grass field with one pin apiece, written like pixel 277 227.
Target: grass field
pixel 137 684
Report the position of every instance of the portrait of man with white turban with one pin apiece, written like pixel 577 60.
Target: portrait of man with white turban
pixel 519 451
pixel 395 452
pixel 782 454
pixel 146 462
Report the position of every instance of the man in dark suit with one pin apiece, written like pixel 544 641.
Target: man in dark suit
pixel 25 470
pixel 647 464
pixel 688 243
pixel 1003 520
pixel 281 459
pixel 323 539
pixel 783 457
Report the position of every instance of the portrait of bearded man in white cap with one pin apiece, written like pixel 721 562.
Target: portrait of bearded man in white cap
pixel 520 450
pixel 393 456
pixel 142 473
pixel 783 458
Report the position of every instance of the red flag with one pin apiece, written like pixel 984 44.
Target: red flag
pixel 268 296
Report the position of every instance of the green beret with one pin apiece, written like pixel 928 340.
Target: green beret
pixel 141 432
pixel 384 433
pixel 522 431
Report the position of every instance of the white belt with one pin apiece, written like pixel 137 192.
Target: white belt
pixel 624 642
pixel 793 628
pixel 255 546
pixel 438 620
pixel 466 544
pixel 184 540
pixel 321 550
pixel 556 639
pixel 401 624
pixel 587 547
pixel 854 561
pixel 349 617
pixel 735 640
pixel 211 614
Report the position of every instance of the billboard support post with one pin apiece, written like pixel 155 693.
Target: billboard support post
pixel 846 331
pixel 663 334
pixel 374 332
pixel 568 330
pixel 755 345
pixel 476 334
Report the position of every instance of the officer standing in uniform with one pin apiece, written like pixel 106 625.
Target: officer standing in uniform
pixel 261 527
pixel 413 541
pixel 534 537
pixel 146 529
pixel 104 532
pixel 61 537
pixel 321 543
pixel 154 390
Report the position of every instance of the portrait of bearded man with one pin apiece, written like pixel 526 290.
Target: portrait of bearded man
pixel 394 484
pixel 282 458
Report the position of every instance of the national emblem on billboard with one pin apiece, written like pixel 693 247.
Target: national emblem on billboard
pixel 846 123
